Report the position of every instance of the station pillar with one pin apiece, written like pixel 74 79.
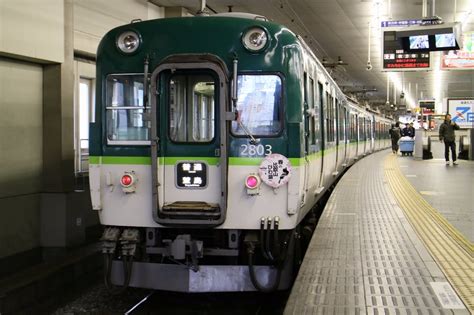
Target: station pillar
pixel 419 134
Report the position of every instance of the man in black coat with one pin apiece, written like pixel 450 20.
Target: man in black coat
pixel 446 134
pixel 395 136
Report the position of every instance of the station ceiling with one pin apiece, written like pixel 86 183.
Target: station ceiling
pixel 340 28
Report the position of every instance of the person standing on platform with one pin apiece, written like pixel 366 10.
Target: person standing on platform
pixel 410 131
pixel 395 135
pixel 446 134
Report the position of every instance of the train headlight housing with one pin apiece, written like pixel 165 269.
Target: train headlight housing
pixel 255 39
pixel 128 182
pixel 128 42
pixel 252 182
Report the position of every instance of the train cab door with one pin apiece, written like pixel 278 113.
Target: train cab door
pixel 189 141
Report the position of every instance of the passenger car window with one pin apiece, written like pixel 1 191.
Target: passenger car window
pixel 258 105
pixel 125 111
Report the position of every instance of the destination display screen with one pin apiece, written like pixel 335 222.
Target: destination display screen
pixel 191 175
pixel 396 58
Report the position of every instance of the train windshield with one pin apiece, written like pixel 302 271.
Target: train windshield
pixel 192 108
pixel 258 105
pixel 125 110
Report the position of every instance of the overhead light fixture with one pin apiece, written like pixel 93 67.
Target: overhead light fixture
pixel 369 64
pixel 326 63
pixel 340 62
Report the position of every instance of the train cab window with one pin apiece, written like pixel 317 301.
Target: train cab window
pixel 192 108
pixel 258 105
pixel 125 111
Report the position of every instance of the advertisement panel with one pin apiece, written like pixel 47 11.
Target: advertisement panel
pixel 460 59
pixel 462 112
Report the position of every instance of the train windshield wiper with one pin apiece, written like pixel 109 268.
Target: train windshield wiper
pixel 234 96
pixel 247 132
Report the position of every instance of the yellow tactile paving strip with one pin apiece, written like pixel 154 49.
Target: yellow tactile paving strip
pixel 450 249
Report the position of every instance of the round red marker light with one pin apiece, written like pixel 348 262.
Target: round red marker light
pixel 126 180
pixel 252 182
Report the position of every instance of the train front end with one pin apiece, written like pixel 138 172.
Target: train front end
pixel 191 170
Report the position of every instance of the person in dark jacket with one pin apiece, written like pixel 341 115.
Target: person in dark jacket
pixel 446 134
pixel 395 135
pixel 410 131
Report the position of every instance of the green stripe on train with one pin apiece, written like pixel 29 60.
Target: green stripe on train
pixel 242 161
pixel 256 161
pixel 142 160
pixel 146 160
pixel 136 160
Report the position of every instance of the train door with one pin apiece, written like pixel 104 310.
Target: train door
pixel 358 135
pixel 330 149
pixel 354 136
pixel 306 138
pixel 372 133
pixel 189 141
pixel 336 136
pixel 344 131
pixel 322 126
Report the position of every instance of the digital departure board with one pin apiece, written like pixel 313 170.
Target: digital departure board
pixel 396 58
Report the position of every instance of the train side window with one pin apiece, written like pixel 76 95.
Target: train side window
pixel 258 105
pixel 125 111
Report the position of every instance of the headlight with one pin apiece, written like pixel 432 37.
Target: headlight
pixel 128 42
pixel 255 39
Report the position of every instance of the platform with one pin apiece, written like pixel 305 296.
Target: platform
pixel 381 248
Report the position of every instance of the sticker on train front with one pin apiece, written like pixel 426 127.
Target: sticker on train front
pixel 275 170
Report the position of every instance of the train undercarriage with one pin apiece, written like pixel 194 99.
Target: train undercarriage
pixel 205 260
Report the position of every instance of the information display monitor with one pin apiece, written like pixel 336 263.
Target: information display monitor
pixel 445 40
pixel 419 42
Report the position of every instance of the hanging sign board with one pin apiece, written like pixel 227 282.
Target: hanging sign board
pixel 394 56
pixel 460 59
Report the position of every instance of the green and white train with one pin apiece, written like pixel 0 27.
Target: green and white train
pixel 213 139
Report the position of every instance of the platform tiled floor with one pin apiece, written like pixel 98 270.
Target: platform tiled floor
pixel 449 189
pixel 364 257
